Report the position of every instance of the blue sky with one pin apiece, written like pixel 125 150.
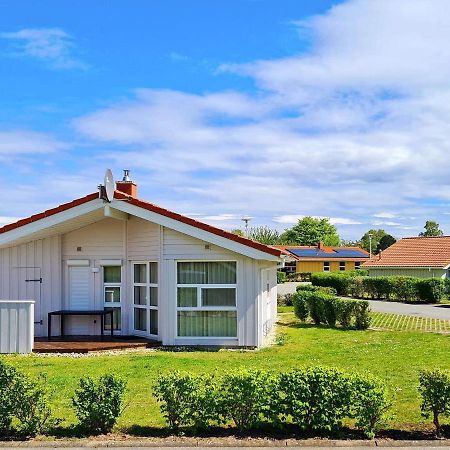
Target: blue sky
pixel 223 109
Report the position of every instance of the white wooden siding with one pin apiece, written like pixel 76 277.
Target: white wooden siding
pixel 30 261
pixel 143 239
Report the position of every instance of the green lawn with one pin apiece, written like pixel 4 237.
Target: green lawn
pixel 395 356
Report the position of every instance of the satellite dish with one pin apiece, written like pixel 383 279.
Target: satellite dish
pixel 109 185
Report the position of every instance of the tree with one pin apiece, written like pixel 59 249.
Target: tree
pixel 376 236
pixel 264 235
pixel 431 229
pixel 386 241
pixel 311 231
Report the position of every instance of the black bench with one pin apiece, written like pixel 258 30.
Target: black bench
pixel 67 312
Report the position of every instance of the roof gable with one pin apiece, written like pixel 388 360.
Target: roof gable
pixel 415 252
pixel 145 210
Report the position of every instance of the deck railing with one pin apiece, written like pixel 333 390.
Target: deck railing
pixel 16 326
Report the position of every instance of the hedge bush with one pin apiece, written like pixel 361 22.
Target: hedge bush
pixel 341 282
pixel 407 289
pixel 329 309
pixel 245 397
pixel 299 276
pixel 434 387
pixel 281 277
pixel 23 401
pixel 99 404
pixel 315 399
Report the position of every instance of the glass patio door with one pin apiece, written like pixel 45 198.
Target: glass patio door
pixel 145 298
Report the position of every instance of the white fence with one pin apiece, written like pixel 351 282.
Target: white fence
pixel 16 326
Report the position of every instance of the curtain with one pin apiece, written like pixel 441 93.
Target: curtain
pixel 223 272
pixel 207 323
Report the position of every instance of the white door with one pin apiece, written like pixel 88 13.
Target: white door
pixel 79 278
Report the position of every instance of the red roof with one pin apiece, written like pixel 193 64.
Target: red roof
pixel 415 252
pixel 149 207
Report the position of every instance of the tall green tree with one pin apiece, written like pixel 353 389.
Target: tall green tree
pixel 311 231
pixel 264 235
pixel 431 229
pixel 376 236
pixel 385 242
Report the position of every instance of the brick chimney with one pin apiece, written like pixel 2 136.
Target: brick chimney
pixel 126 185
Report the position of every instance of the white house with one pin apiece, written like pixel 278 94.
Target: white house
pixel 165 276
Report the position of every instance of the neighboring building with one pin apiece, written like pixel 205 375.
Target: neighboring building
pixel 424 257
pixel 165 276
pixel 321 258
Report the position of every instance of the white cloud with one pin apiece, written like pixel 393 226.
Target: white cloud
pixel 51 45
pixel 4 220
pixel 385 215
pixel 292 219
pixel 17 143
pixel 355 127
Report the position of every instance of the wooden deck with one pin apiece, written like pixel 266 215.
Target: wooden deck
pixel 87 344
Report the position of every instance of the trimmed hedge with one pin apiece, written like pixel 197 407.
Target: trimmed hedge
pixel 316 399
pixel 326 308
pixel 407 289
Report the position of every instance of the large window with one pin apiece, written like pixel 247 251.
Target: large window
pixel 206 299
pixel 145 297
pixel 326 266
pixel 112 285
pixel 341 266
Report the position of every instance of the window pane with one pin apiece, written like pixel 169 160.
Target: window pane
pixel 207 323
pixel 206 272
pixel 140 319
pixel 153 296
pixel 112 294
pixel 187 297
pixel 140 273
pixel 153 273
pixel 111 274
pixel 153 321
pixel 117 319
pixel 140 295
pixel 219 297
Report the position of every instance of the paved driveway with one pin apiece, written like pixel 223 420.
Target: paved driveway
pixel 434 311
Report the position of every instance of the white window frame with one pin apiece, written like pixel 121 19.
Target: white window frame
pixel 199 307
pixel 357 265
pixel 146 307
pixel 340 266
pixel 326 266
pixel 113 304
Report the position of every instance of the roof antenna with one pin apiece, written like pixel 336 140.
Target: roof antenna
pixel 246 220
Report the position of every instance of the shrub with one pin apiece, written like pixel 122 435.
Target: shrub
pixel 369 403
pixel 430 290
pixel 245 397
pixel 344 311
pixel 316 399
pixel 285 300
pixel 404 288
pixel 339 281
pixel 299 276
pixel 312 288
pixel 281 277
pixel 300 306
pixel 24 400
pixel 8 375
pixel 33 407
pixel 357 273
pixel 378 287
pixel 356 288
pixel 434 387
pixel 361 311
pixel 98 405
pixel 188 400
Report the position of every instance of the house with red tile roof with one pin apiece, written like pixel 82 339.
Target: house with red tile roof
pixel 321 258
pixel 154 273
pixel 423 257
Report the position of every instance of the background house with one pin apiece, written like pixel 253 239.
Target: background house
pixel 425 257
pixel 321 258
pixel 165 276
